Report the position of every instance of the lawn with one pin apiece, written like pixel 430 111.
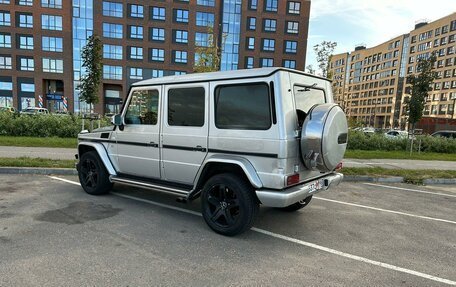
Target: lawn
pixel 36 162
pixel 38 142
pixel 378 154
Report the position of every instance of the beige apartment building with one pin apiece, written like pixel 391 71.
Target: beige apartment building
pixel 370 83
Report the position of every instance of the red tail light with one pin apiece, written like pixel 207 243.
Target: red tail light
pixel 339 166
pixel 292 179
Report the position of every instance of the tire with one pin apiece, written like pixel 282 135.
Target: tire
pixel 92 174
pixel 229 205
pixel 298 205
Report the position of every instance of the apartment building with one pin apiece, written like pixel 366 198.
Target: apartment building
pixel 41 43
pixel 370 83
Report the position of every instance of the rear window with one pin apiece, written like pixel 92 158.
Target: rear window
pixel 307 97
pixel 243 107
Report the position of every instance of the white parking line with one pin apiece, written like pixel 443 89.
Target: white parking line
pixel 409 189
pixel 385 210
pixel 297 241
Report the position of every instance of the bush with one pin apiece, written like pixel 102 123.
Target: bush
pixel 65 126
pixel 360 141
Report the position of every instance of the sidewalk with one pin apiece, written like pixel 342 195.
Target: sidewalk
pixel 68 153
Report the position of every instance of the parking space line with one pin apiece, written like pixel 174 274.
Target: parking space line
pixel 296 241
pixel 385 210
pixel 409 189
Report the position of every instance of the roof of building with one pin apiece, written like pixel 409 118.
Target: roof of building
pixel 223 75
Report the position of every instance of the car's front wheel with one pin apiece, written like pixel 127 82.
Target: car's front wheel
pixel 92 174
pixel 229 205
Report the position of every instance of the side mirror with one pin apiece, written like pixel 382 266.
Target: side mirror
pixel 117 120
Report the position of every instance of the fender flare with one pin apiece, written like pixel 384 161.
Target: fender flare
pixel 102 153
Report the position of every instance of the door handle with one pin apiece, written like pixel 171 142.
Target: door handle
pixel 200 148
pixel 153 144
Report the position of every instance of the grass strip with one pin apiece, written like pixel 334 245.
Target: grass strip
pixel 415 176
pixel 38 142
pixel 36 162
pixel 379 154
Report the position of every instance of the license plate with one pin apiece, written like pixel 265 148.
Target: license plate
pixel 316 185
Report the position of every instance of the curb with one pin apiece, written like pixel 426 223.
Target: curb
pixel 366 178
pixel 431 181
pixel 38 170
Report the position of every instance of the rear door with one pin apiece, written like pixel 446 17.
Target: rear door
pixel 184 131
pixel 137 143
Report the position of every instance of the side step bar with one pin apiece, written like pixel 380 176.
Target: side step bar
pixel 148 185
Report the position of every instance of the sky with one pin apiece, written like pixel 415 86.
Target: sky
pixel 369 22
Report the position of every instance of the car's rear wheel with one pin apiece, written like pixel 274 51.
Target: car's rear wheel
pixel 229 205
pixel 92 174
pixel 298 205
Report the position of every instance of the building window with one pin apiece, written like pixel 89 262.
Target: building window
pixel 25 2
pixel 158 13
pixel 271 5
pixel 25 20
pixel 268 45
pixel 136 32
pixel 181 15
pixel 180 36
pixel 157 55
pixel 136 73
pixel 291 47
pixel 253 4
pixel 250 43
pixel 4 1
pixel 27 64
pixel 51 22
pixel 294 7
pixel 114 52
pixel 251 23
pixel 5 63
pixel 289 64
pixel 269 25
pixel 52 44
pixel 112 9
pixel 26 42
pixel 56 4
pixel 201 39
pixel 292 27
pixel 112 72
pixel 136 11
pixel 157 34
pixel 136 53
pixel 267 62
pixel 204 19
pixel 5 18
pixel 112 30
pixel 210 3
pixel 6 86
pixel 157 73
pixel 27 87
pixel 249 62
pixel 52 66
pixel 180 57
pixel 5 40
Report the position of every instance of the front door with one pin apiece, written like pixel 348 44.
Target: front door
pixel 184 131
pixel 138 151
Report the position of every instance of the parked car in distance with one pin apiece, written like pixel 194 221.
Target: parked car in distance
pixel 35 111
pixel 7 109
pixel 396 134
pixel 445 134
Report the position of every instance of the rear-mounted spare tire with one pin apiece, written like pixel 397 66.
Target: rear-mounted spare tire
pixel 324 137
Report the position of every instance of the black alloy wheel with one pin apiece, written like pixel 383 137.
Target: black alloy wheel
pixel 93 176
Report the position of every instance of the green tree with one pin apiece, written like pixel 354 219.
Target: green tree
pixel 324 52
pixel 420 86
pixel 310 69
pixel 92 57
pixel 209 56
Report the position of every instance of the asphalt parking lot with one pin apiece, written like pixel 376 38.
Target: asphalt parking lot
pixel 358 234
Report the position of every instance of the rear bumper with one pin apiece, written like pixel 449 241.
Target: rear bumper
pixel 286 197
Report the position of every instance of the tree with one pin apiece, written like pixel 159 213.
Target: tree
pixel 324 52
pixel 310 69
pixel 92 57
pixel 208 57
pixel 420 85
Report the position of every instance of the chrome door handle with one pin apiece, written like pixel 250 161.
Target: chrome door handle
pixel 200 148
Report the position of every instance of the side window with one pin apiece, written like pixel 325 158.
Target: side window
pixel 243 107
pixel 186 107
pixel 143 108
pixel 307 97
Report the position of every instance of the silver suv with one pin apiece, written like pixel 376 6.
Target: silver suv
pixel 236 139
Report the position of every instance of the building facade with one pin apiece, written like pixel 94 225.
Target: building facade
pixel 41 43
pixel 370 83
